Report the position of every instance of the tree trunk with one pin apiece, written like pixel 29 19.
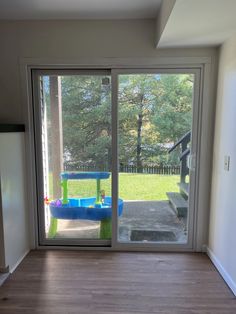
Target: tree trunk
pixel 139 143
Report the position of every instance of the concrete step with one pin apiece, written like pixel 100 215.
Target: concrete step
pixel 179 204
pixel 184 188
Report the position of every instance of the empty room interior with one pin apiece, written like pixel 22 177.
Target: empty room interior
pixel 117 156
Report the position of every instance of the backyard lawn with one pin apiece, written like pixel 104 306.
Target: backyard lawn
pixel 132 186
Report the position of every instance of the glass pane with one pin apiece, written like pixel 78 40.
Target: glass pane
pixel 154 113
pixel 76 143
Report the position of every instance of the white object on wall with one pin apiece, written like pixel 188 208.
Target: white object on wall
pixel 13 208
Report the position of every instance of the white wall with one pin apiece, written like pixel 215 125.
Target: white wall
pixel 162 17
pixel 222 234
pixel 64 39
pixel 13 206
pixel 90 39
pixel 71 39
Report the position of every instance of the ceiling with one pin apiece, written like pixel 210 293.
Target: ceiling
pixel 78 9
pixel 199 23
pixel 191 23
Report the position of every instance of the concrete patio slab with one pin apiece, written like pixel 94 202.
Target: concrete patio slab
pixel 137 215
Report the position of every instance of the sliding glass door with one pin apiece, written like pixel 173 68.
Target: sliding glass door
pixel 74 121
pixel 116 155
pixel 155 147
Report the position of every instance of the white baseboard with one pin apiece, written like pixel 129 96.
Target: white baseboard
pixel 12 269
pixel 225 275
pixel 4 270
pixel 3 278
pixel 204 248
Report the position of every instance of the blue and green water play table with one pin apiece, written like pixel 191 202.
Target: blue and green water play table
pixel 97 208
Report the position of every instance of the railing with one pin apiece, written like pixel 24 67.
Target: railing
pixel 184 139
pixel 167 170
pixel 185 151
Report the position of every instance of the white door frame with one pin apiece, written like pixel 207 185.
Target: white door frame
pixel 202 64
pixel 39 159
pixel 193 173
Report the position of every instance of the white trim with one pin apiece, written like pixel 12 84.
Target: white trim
pixel 113 62
pixel 3 266
pixel 3 278
pixel 26 88
pixel 116 244
pixel 204 248
pixel 4 270
pixel 27 64
pixel 13 268
pixel 204 154
pixel 225 275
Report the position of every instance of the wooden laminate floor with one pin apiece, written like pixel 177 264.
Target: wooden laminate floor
pixel 65 282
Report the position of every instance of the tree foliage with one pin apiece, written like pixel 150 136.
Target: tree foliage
pixel 86 111
pixel 154 111
pixel 162 104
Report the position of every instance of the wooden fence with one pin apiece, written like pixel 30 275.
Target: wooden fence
pixel 169 170
pixel 151 169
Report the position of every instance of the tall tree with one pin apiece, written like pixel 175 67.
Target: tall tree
pixel 86 105
pixel 136 98
pixel 172 116
pixel 154 111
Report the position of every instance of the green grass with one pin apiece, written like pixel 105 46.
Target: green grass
pixel 132 186
pixel 146 186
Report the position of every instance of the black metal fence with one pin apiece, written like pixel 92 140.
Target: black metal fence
pixel 169 170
